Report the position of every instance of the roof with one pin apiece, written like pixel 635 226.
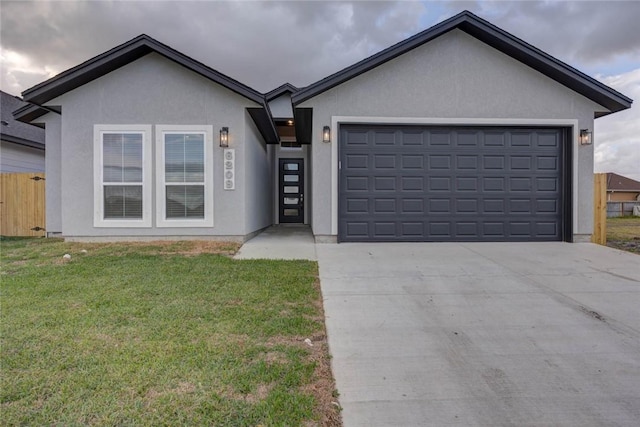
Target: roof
pixel 122 55
pixel 280 90
pixel 617 182
pixel 14 131
pixel 494 37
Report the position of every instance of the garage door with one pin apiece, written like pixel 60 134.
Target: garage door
pixel 411 183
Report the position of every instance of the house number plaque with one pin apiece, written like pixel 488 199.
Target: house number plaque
pixel 229 169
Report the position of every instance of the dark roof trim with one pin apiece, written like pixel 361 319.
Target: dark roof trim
pixel 493 36
pixel 280 90
pixel 21 141
pixel 30 112
pixel 120 56
pixel 264 122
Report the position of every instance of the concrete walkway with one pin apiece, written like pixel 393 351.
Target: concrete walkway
pixel 280 242
pixel 489 334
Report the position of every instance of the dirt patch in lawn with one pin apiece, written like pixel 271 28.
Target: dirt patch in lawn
pixel 324 386
pixel 164 247
pixel 624 233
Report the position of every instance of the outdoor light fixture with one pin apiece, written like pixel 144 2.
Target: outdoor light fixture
pixel 326 134
pixel 586 137
pixel 224 137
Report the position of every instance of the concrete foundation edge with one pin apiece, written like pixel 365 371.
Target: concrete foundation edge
pixel 582 238
pixel 326 238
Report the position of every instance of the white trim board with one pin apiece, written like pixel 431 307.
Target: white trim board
pixel 336 121
pixel 207 221
pixel 147 176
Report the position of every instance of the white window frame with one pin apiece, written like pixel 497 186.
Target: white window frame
pixel 98 184
pixel 161 202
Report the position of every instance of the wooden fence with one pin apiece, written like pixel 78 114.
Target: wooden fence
pixel 599 209
pixel 22 204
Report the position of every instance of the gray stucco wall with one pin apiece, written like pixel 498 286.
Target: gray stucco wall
pixel 53 183
pixel 150 91
pixel 258 166
pixel 453 76
pixel 19 158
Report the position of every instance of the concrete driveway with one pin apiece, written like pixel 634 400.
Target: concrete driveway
pixel 483 333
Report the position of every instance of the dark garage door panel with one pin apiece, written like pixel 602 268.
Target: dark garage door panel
pixel 411 183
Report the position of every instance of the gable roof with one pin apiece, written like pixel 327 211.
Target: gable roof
pixel 14 131
pixel 494 37
pixel 280 90
pixel 617 182
pixel 122 55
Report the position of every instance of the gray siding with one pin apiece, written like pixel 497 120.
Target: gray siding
pixel 454 76
pixel 150 91
pixel 18 158
pixel 53 189
pixel 258 199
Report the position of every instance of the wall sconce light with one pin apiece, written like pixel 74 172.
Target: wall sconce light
pixel 224 137
pixel 586 137
pixel 326 134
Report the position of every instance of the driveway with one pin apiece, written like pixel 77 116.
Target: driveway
pixel 483 333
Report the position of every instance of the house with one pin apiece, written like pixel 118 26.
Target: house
pixel 21 144
pixel 462 132
pixel 622 189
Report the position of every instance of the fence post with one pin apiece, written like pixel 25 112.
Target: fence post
pixel 599 235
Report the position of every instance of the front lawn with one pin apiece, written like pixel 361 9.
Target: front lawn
pixel 160 334
pixel 624 233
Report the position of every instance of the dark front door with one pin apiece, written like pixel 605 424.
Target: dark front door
pixel 291 201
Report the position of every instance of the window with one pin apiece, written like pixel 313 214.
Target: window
pixel 122 176
pixel 184 190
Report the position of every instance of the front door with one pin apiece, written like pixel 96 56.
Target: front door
pixel 291 200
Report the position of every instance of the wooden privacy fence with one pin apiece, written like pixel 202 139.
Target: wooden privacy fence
pixel 599 209
pixel 22 204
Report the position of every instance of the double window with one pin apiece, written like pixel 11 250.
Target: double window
pixel 123 176
pixel 184 179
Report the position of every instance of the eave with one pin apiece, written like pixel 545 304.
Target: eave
pixel 494 37
pixel 122 55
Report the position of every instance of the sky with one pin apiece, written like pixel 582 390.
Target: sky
pixel 266 43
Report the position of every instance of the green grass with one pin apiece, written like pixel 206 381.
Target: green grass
pixel 157 335
pixel 624 233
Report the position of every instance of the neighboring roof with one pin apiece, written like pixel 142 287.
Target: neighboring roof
pixel 617 182
pixel 14 131
pixel 285 88
pixel 494 37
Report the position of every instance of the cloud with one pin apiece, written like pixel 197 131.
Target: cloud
pixel 262 44
pixel 581 33
pixel 18 68
pixel 617 136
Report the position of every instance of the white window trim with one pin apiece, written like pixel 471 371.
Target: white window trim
pixel 161 220
pixel 98 185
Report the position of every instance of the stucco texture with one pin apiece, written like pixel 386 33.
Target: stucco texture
pixel 156 91
pixel 451 77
